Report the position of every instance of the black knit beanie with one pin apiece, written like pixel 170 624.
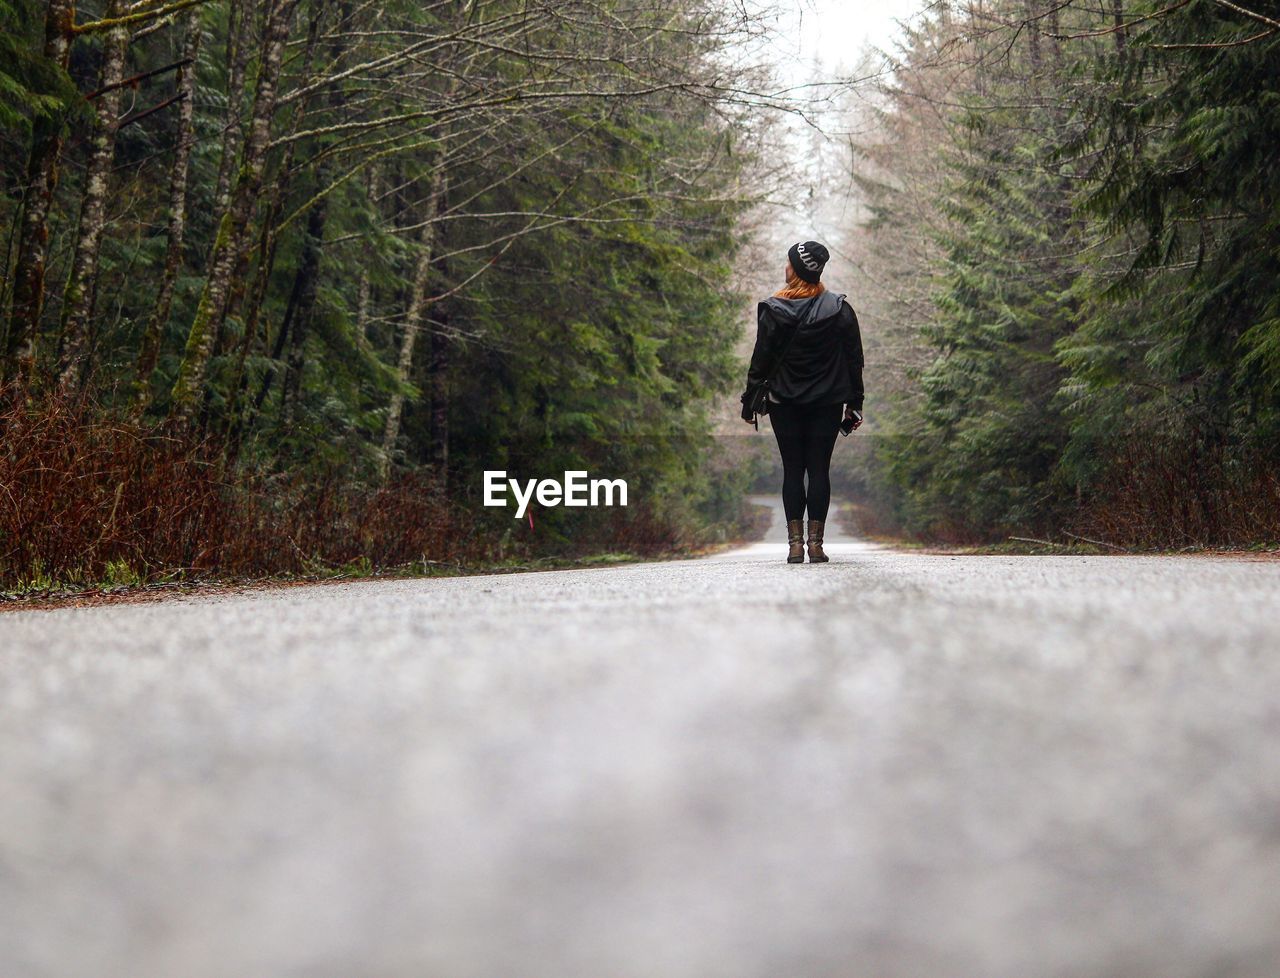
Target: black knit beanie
pixel 808 260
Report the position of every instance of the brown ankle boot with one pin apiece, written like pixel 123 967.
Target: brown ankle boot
pixel 816 556
pixel 795 541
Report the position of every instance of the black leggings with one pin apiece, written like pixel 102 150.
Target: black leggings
pixel 806 435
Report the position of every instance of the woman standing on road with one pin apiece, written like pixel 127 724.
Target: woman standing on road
pixel 807 363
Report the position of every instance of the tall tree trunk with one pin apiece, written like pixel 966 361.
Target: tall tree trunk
pixel 414 320
pixel 33 236
pixel 1033 33
pixel 240 18
pixel 236 412
pixel 234 224
pixel 239 415
pixel 237 55
pixel 267 248
pixel 151 337
pixel 438 371
pixel 307 283
pixel 1117 19
pixel 1055 28
pixel 271 202
pixel 439 349
pixel 364 285
pixel 364 302
pixel 313 242
pixel 975 14
pixel 82 282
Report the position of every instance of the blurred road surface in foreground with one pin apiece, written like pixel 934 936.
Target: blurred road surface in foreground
pixel 896 765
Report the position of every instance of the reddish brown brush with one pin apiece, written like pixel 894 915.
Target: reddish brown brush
pixel 334 523
pixel 85 496
pixel 635 530
pixel 1168 494
pixel 78 491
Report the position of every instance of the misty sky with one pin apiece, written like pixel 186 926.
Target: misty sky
pixel 835 31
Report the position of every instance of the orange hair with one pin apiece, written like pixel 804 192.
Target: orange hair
pixel 798 288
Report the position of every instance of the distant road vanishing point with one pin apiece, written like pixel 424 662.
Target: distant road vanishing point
pixel 896 765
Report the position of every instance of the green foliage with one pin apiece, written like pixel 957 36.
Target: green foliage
pixel 1110 289
pixel 31 87
pixel 579 313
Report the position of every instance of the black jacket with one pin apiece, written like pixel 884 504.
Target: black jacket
pixel 823 365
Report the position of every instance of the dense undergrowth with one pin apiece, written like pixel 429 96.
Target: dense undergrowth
pixel 1073 248
pixel 88 498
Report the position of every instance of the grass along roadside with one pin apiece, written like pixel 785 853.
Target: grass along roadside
pixel 122 586
pixel 115 592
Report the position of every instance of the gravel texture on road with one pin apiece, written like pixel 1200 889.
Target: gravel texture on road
pixel 896 765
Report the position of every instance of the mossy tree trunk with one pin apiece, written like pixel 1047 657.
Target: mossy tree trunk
pixel 237 58
pixel 81 288
pixel 234 225
pixel 33 235
pixel 307 284
pixel 414 320
pixel 177 223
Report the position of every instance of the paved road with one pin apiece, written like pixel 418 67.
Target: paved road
pixel 893 766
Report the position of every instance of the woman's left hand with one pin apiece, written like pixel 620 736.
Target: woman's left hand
pixel 853 415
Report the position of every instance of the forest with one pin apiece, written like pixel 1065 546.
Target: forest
pixel 1071 246
pixel 282 278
